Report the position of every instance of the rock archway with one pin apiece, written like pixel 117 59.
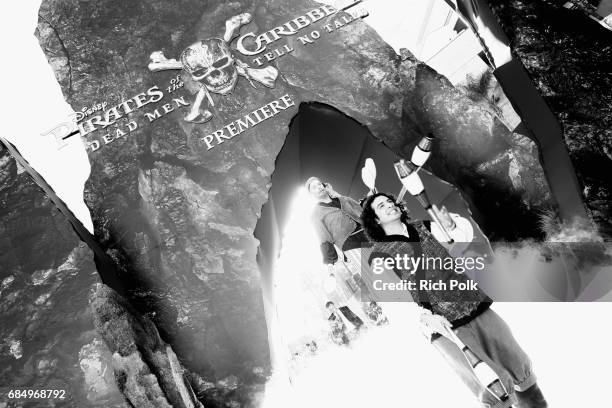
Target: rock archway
pixel 178 218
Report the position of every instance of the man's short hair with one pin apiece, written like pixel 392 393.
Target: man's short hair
pixel 328 304
pixel 309 182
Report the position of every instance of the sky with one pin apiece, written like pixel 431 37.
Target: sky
pixel 33 104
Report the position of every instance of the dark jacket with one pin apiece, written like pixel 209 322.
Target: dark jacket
pixel 457 306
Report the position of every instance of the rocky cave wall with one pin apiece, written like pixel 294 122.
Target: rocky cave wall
pixel 62 329
pixel 178 219
pixel 48 337
pixel 569 56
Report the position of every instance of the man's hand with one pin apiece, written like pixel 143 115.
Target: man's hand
pixel 330 190
pixel 460 229
pixel 432 323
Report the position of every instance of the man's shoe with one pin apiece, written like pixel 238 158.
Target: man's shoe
pixel 532 397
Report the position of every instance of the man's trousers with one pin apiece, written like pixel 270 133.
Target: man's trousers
pixel 490 338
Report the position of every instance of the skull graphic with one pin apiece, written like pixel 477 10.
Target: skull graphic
pixel 212 64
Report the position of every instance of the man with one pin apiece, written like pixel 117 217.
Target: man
pixel 336 219
pixel 337 223
pixel 466 312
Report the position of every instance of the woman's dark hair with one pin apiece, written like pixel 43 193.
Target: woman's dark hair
pixel 369 220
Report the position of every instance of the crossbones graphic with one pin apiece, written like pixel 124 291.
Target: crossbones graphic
pixel 212 64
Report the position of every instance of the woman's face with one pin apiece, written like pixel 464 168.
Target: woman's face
pixel 386 210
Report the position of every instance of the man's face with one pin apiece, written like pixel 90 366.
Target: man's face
pixel 317 189
pixel 386 210
pixel 331 308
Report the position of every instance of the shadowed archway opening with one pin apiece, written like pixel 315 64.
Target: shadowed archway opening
pixel 324 142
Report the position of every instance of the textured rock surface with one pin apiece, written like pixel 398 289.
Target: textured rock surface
pixel 569 57
pixel 145 367
pixel 48 340
pixel 178 219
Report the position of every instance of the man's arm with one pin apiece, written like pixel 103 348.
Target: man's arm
pixel 349 205
pixel 352 208
pixel 328 251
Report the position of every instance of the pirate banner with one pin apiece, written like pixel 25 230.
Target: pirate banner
pixel 265 203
